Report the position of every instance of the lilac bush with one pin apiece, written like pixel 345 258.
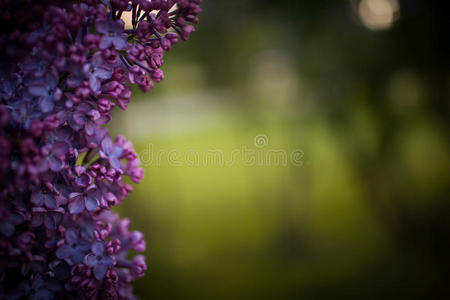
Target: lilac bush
pixel 64 66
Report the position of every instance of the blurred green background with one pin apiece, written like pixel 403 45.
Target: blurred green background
pixel 359 90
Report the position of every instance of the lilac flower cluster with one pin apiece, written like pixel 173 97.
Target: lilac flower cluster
pixel 63 68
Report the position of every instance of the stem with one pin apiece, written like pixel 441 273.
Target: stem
pixel 133 18
pixel 70 36
pixel 95 161
pixel 138 14
pixel 177 29
pixel 125 62
pixel 63 76
pixel 124 263
pixel 143 67
pixel 144 16
pixel 85 158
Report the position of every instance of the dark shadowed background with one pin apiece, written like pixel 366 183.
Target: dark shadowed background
pixel 298 150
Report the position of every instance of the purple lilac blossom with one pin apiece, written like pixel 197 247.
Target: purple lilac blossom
pixel 74 248
pixel 64 66
pixel 112 34
pixel 96 71
pixel 99 260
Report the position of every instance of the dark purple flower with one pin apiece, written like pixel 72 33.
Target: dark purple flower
pixel 58 146
pixel 46 90
pixel 137 75
pixel 95 140
pixel 109 291
pixel 99 260
pixel 134 170
pixel 111 199
pixel 62 134
pixel 139 266
pixel 25 241
pixel 111 57
pixel 124 98
pixel 112 32
pixel 54 155
pixel 77 53
pixel 157 75
pixel 46 195
pixel 104 105
pixel 25 111
pixel 97 171
pixel 137 241
pixel 34 66
pixel 136 53
pixel 88 199
pixel 76 75
pixel 91 41
pixel 8 82
pixel 154 57
pixel 65 68
pixel 60 269
pixel 112 247
pixel 111 152
pixel 114 89
pixel 75 247
pixel 87 117
pixel 96 71
pixel 38 288
pixel 102 230
pixel 80 177
pixel 9 220
pixel 50 218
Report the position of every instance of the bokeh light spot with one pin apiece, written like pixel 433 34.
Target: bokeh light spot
pixel 378 14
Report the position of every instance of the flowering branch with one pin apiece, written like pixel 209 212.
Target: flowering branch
pixel 63 68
